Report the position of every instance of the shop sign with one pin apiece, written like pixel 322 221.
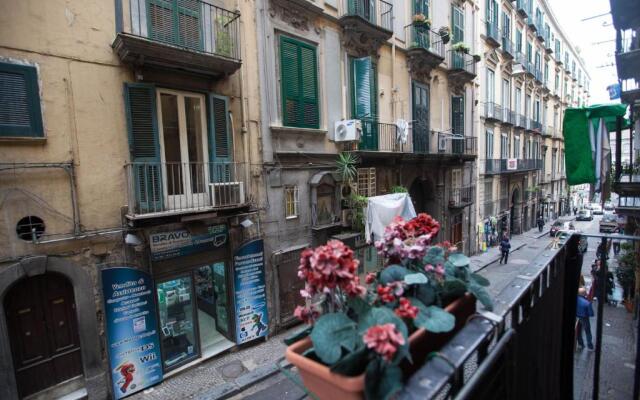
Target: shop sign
pixel 250 292
pixel 512 164
pixel 171 244
pixel 133 345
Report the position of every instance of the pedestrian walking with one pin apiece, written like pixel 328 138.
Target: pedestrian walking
pixel 584 312
pixel 540 222
pixel 505 246
pixel 595 280
pixel 575 210
pixel 616 244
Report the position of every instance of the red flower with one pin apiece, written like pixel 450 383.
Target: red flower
pixel 354 288
pixel 385 293
pixel 370 278
pixel 406 310
pixel 384 340
pixel 328 267
pixel 306 314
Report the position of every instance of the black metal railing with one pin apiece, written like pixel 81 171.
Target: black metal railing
pixel 536 126
pixel 492 111
pixel 462 196
pixel 538 306
pixel 493 32
pixel 459 61
pixel 519 120
pixel 382 136
pixel 456 144
pixel 376 12
pixel 524 7
pixel 506 116
pixel 537 74
pixel 192 24
pixel 426 39
pixel 508 48
pixel 504 165
pixel 528 123
pixel 558 57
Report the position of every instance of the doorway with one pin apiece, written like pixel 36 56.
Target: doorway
pixel 515 212
pixel 194 314
pixel 183 147
pixel 456 231
pixel 43 332
pixel 421 127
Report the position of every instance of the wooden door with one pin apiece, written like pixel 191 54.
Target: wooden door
pixel 456 230
pixel 420 118
pixel 43 332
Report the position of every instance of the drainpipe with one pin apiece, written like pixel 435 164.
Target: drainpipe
pixel 243 116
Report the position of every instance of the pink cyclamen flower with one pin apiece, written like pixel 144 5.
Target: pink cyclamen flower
pixel 370 278
pixel 306 314
pixel 406 309
pixel 384 340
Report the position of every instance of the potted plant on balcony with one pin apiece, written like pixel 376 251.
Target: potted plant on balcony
pixel 421 22
pixel 477 58
pixel 445 34
pixel 363 341
pixel 461 47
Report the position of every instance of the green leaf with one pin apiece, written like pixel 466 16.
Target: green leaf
pixel 382 380
pixel 482 295
pixel 453 287
pixel 434 256
pixel 299 335
pixel 433 318
pixel 480 280
pixel 393 273
pixel 416 279
pixel 459 260
pixel 352 364
pixel 331 333
pixel 358 305
pixel 426 294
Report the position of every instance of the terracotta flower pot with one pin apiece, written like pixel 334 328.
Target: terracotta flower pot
pixel 326 385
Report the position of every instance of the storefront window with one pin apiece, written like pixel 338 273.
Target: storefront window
pixel 213 315
pixel 175 306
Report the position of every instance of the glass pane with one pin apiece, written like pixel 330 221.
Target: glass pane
pixel 175 307
pixel 212 305
pixel 220 290
pixel 171 134
pixel 193 112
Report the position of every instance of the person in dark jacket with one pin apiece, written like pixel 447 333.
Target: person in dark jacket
pixel 584 311
pixel 540 223
pixel 504 249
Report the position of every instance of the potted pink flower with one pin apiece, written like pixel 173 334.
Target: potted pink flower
pixel 364 341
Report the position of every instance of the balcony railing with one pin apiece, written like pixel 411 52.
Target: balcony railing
pixel 428 40
pixel 492 111
pixel 493 33
pixel 462 196
pixel 382 136
pixel 456 145
pixel 537 74
pixel 528 123
pixel 519 120
pixel 508 48
pixel 536 126
pixel 558 57
pixel 628 57
pixel 630 91
pixel 375 12
pixel 500 166
pixel 459 62
pixel 507 116
pixel 628 202
pixel 524 7
pixel 164 188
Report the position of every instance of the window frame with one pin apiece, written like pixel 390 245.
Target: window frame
pixel 35 130
pixel 291 202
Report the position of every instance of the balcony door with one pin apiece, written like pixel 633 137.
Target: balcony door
pixel 363 100
pixel 183 147
pixel 420 118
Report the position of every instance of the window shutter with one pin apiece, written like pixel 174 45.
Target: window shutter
pixel 140 100
pixel 299 84
pixel 20 112
pixel 362 87
pixel 457 24
pixel 220 140
pixel 457 117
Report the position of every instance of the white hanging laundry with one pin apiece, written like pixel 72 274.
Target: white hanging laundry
pixel 402 131
pixel 381 210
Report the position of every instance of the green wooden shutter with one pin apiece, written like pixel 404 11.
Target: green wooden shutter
pixel 144 147
pixel 457 115
pixel 20 112
pixel 220 140
pixel 457 24
pixel 421 7
pixel 299 84
pixel 364 101
pixel 175 21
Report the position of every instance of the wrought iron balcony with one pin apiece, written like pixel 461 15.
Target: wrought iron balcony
pixel 192 36
pixel 536 126
pixel 540 31
pixel 519 120
pixel 449 144
pixel 537 74
pixel 426 50
pixel 462 66
pixel 492 111
pixel 507 46
pixel 367 19
pixel 532 24
pixel 628 185
pixel 159 189
pixel 628 55
pixel 493 35
pixel 383 137
pixel 630 91
pixel 628 205
pixel 504 165
pixel 462 196
pixel 507 116
pixel 524 7
pixel 558 57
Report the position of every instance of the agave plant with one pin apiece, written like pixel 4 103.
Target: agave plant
pixel 346 167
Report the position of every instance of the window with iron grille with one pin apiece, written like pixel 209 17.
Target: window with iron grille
pixel 291 201
pixel 366 182
pixel 20 112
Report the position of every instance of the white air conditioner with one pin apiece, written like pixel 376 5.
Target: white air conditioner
pixel 225 194
pixel 348 130
pixel 442 143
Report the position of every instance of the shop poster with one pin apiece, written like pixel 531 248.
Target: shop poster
pixel 181 242
pixel 133 344
pixel 250 292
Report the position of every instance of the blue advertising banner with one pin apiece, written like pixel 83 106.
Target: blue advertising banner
pixel 132 337
pixel 250 292
pixel 165 245
pixel 614 91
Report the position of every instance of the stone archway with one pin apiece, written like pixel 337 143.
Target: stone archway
pixel 516 214
pixel 83 290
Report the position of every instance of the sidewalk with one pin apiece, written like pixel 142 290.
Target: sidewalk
pixel 253 372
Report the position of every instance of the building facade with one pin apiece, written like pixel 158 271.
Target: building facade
pixel 529 74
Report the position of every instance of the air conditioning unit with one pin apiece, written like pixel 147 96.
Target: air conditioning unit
pixel 226 194
pixel 442 143
pixel 348 130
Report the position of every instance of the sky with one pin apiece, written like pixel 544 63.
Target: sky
pixel 595 39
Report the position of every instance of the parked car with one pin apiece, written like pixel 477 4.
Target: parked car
pixel 584 215
pixel 560 225
pixel 596 209
pixel 582 245
pixel 608 223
